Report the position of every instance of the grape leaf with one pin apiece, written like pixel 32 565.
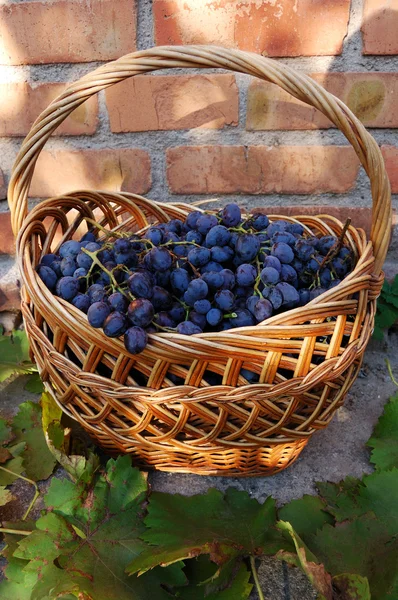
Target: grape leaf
pixel 5 496
pixel 238 589
pixel 16 466
pixel 18 584
pixel 342 499
pixel 83 545
pixel 14 353
pixel 38 461
pixel 365 547
pixel 352 587
pixel 306 515
pixel 5 432
pixel 222 526
pixel 34 384
pixel 384 440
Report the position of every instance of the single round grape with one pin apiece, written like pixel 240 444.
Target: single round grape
pixel 214 317
pixel 129 259
pixel 296 228
pixel 179 279
pixel 229 279
pixel 118 302
pixel 70 248
pixel 259 222
pixel 243 318
pixel 161 298
pixel 82 302
pixel 218 236
pixel 47 259
pixel 97 314
pixel 303 249
pixel 316 292
pixel 326 243
pixel 205 223
pixel 325 278
pixel 285 237
pixel 140 312
pixel 283 252
pixel 243 292
pixel 274 296
pixel 56 267
pixel 181 250
pixel 96 292
pixel 198 289
pixel 140 285
pixel 340 267
pixel 221 254
pixel 67 288
pixel 276 226
pixel 247 247
pixel 289 294
pixel 198 257
pixel 251 302
pixel 344 254
pixel 289 275
pixel 160 259
pixel 177 312
pixel 188 328
pixel 68 266
pixel 231 215
pixel 224 299
pixel 304 297
pixel 88 237
pixel 174 225
pixel 263 310
pixel 135 340
pixel 269 275
pixel 170 236
pixel 164 319
pixel 202 306
pixel 106 255
pixel 194 236
pixel 197 319
pixel 80 272
pixel 155 235
pixel 115 324
pixel 334 283
pixel 48 276
pixel 274 262
pixel 263 237
pixel 214 279
pixel 314 263
pixel 297 265
pixel 234 239
pixel 192 219
pixel 211 267
pixel 245 275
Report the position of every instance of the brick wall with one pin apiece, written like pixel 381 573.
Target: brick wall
pixel 197 134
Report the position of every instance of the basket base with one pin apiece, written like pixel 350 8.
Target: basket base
pixel 245 462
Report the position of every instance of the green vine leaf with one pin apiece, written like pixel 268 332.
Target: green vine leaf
pixel 223 526
pixel 351 587
pixel 306 515
pixel 5 496
pixel 34 384
pixel 384 440
pixel 14 353
pixel 38 461
pixel 237 589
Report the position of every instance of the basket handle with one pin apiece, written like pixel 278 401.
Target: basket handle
pixel 297 84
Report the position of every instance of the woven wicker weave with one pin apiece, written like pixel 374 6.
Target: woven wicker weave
pixel 307 358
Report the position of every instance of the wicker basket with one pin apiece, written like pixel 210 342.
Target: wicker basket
pixel 306 358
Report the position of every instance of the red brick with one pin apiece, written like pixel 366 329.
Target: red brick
pixel 173 102
pixel 3 188
pixel 261 169
pixel 285 28
pixel 373 97
pixel 20 104
pixel 66 31
pixel 61 171
pixel 7 240
pixel 390 154
pixel 380 27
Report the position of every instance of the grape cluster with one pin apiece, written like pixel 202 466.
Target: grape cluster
pixel 211 272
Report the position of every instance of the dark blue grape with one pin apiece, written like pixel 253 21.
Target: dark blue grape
pixel 96 292
pixel 140 312
pixel 177 312
pixel 97 314
pixel 224 299
pixel 296 228
pixel 198 257
pixel 197 319
pixel 276 226
pixel 229 279
pixel 325 278
pixel 214 279
pixel 290 295
pixel 47 259
pixel 56 267
pixel 234 239
pixel 160 259
pixel 272 261
pixel 340 267
pixel 259 222
pixel 80 272
pixel 70 248
pixel 155 235
pixel 130 260
pixel 179 280
pixel 245 275
pixel 269 275
pixel 212 267
pixel 304 297
pixel 115 324
pixel 251 302
pixel 289 275
pixel 162 278
pixel 135 340
pixel 344 254
pixel 161 298
pixel 170 236
pixel 283 252
pixel 334 283
pixel 188 328
pixel 68 266
pixel 274 296
pixel 314 263
pixel 198 289
pixel 243 318
pixel 221 254
pixel 285 237
pixel 194 236
pixel 316 292
pixel 67 288
pixel 140 285
pixel 82 302
pixel 175 225
pixel 326 243
pixel 263 310
pixel 192 219
pixel 218 236
pixel 303 249
pixel 48 276
pixel 88 237
pixel 118 302
pixel 214 317
pixel 205 223
pixel 247 247
pixel 182 250
pixel 164 319
pixel 231 215
pixel 202 306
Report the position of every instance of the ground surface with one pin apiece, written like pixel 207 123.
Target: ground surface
pixel 330 455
